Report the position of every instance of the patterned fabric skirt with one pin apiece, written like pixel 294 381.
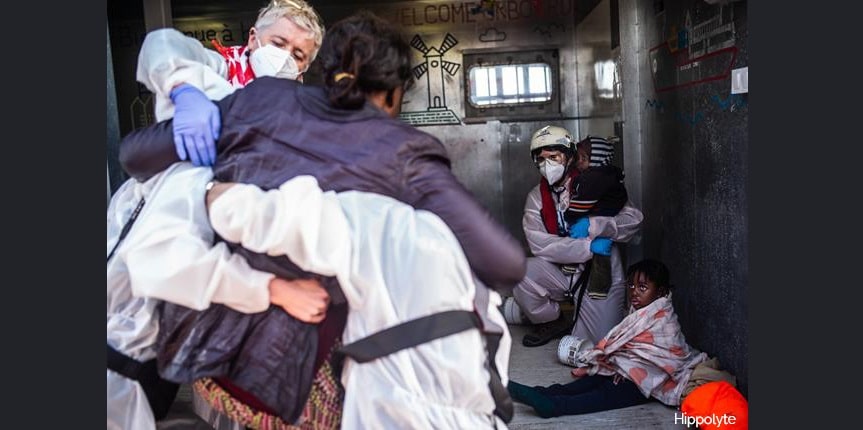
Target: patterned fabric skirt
pixel 322 410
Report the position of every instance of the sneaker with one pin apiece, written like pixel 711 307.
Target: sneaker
pixel 512 313
pixel 546 332
pixel 570 347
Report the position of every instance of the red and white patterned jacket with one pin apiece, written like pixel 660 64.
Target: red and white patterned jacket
pixel 239 71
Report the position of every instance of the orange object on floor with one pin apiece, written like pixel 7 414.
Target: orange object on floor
pixel 716 405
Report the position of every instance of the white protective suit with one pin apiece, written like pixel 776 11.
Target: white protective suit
pixel 167 255
pixel 544 285
pixel 170 247
pixel 394 264
pixel 169 58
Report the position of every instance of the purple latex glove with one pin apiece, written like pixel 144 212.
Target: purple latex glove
pixel 197 125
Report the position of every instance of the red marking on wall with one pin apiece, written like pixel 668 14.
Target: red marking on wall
pixel 681 61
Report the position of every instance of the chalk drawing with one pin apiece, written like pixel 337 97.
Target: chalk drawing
pixel 142 111
pixel 492 35
pixel 433 69
pixel 547 29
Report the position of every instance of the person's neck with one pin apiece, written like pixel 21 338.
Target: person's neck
pixel 378 99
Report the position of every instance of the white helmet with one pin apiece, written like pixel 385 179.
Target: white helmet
pixel 551 135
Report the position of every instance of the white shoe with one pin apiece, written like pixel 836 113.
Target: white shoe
pixel 512 313
pixel 569 349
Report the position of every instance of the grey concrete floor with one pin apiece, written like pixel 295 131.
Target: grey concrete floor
pixel 540 366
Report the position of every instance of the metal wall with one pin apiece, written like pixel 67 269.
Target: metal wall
pixel 689 135
pixel 597 106
pixel 492 158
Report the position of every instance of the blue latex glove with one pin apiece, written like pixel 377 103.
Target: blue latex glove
pixel 601 246
pixel 197 125
pixel 579 229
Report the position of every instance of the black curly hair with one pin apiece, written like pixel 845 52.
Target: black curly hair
pixel 655 271
pixel 362 54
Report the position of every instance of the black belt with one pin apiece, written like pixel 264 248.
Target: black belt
pixel 127 366
pixel 428 328
pixel 160 392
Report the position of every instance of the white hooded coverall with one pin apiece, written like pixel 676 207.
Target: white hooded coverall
pixel 544 285
pixel 169 58
pixel 167 255
pixel 394 264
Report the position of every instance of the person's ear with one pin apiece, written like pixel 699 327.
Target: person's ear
pixel 253 35
pixel 394 100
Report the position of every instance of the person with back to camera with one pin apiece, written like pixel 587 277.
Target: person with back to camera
pixel 404 275
pixel 556 272
pixel 347 136
pixel 645 356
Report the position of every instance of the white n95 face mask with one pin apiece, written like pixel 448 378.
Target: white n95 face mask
pixel 551 171
pixel 270 60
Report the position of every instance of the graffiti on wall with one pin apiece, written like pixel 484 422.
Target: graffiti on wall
pixel 547 30
pixel 142 108
pixel 731 103
pixel 695 53
pixel 492 34
pixel 482 11
pixel 712 34
pixel 434 68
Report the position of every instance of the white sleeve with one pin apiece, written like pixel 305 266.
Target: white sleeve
pixel 551 247
pixel 169 58
pixel 298 220
pixel 171 255
pixel 619 228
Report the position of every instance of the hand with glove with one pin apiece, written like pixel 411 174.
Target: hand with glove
pixel 197 125
pixel 601 246
pixel 579 229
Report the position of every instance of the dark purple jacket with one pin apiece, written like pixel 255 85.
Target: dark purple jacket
pixel 276 129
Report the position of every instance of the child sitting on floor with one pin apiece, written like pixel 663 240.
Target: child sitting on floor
pixel 644 356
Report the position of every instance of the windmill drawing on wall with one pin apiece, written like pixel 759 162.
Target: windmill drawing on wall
pixel 433 68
